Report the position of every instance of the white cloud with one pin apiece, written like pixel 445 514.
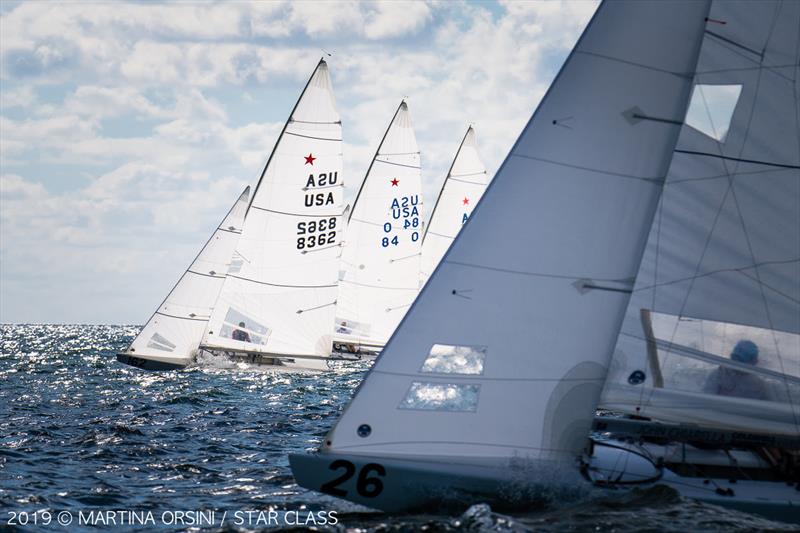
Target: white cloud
pixel 118 99
pixel 392 19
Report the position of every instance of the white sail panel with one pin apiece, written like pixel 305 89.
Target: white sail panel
pixel 536 284
pixel 462 188
pixel 281 299
pixel 381 256
pixel 722 262
pixel 175 330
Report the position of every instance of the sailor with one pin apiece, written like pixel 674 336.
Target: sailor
pixel 240 334
pixel 732 382
pixel 343 328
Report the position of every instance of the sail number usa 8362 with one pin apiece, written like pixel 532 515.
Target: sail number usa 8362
pixel 316 233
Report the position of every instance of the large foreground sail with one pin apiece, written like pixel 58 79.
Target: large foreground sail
pixel 722 265
pixel 381 255
pixel 502 358
pixel 462 188
pixel 279 296
pixel 171 336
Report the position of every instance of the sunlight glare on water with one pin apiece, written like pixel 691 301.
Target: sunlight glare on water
pixel 79 430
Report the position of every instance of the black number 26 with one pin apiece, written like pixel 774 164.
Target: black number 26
pixel 366 486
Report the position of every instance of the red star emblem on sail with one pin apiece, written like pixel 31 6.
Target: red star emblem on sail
pixel 310 159
pixel 395 181
pixel 465 201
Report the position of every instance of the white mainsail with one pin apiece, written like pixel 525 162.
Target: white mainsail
pixel 722 263
pixel 462 188
pixel 173 333
pixel 504 353
pixel 279 298
pixel 381 256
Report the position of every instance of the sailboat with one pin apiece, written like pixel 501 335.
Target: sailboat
pixel 170 339
pixel 277 303
pixel 462 188
pixel 381 255
pixel 489 387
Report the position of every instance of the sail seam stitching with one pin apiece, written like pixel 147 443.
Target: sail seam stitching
pixel 653 180
pixel 310 136
pixel 237 232
pixel 721 270
pixel 467 181
pixel 280 285
pixel 291 120
pixel 378 287
pixel 395 164
pixel 535 274
pixel 182 317
pixel 635 64
pixel 445 377
pixel 293 214
pixel 467 174
pixel 737 159
pixel 206 275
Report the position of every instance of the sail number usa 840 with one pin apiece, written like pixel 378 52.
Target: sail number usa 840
pixel 405 209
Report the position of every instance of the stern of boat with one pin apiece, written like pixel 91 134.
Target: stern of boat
pixel 414 484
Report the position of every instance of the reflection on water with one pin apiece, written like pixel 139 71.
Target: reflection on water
pixel 78 430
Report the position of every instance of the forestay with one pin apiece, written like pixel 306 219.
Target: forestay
pixel 175 330
pixel 504 353
pixel 462 188
pixel 280 298
pixel 381 256
pixel 722 263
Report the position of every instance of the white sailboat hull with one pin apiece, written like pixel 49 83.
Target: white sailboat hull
pixel 149 362
pixel 355 348
pixel 618 466
pixel 288 362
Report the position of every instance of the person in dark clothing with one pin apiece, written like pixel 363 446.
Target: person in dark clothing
pixel 734 382
pixel 240 334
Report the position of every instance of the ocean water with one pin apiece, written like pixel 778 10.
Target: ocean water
pixel 82 433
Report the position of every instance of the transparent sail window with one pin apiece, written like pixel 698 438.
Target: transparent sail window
pixel 452 397
pixel 725 359
pixel 240 327
pixel 236 264
pixel 453 359
pixel 711 109
pixel 351 327
pixel 159 342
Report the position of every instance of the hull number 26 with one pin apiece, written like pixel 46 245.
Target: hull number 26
pixel 366 486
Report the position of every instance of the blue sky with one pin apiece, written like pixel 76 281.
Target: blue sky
pixel 128 129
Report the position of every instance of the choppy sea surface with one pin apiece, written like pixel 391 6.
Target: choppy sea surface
pixel 80 432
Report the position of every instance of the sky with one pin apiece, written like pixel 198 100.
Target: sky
pixel 128 129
